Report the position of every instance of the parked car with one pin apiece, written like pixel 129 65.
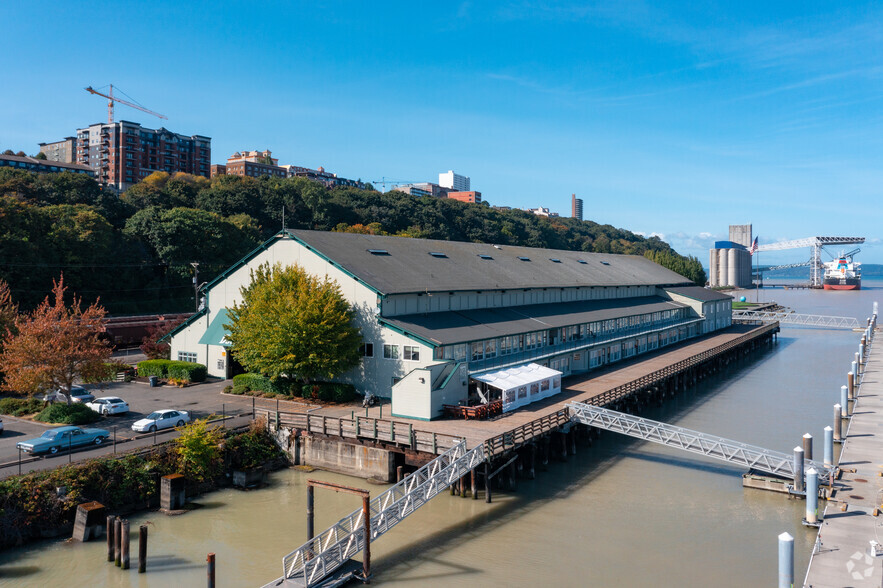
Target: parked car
pixel 1 426
pixel 62 438
pixel 162 419
pixel 78 394
pixel 109 405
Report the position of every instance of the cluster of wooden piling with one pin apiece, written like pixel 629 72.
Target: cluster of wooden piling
pixel 118 544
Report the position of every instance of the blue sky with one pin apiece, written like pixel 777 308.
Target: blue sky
pixel 667 118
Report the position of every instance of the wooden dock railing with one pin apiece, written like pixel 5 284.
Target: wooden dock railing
pixel 362 428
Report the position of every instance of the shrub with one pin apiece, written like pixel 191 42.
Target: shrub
pixel 345 393
pixel 20 406
pixel 238 390
pixel 252 449
pixel 186 371
pixel 253 382
pixel 153 367
pixel 68 414
pixel 167 368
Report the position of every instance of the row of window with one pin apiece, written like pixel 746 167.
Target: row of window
pixel 409 352
pixel 490 348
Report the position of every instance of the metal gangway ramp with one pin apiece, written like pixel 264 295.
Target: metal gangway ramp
pixel 758 458
pixel 329 550
pixel 792 318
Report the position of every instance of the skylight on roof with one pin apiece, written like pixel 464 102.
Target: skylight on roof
pixel 605 263
pixel 483 256
pixel 554 260
pixel 378 252
pixel 582 261
pixel 524 258
pixel 437 254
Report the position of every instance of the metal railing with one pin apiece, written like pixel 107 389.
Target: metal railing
pixel 792 318
pixel 758 458
pixel 323 554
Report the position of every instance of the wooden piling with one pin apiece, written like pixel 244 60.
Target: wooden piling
pixel 117 547
pixel 142 549
pixel 210 570
pixel 110 537
pixel 487 482
pixel 124 545
pixel 399 470
pixel 532 451
pixel 473 484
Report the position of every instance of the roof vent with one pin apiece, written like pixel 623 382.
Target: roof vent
pixel 605 263
pixel 582 261
pixel 524 258
pixel 378 252
pixel 553 260
pixel 497 247
pixel 437 254
pixel 481 255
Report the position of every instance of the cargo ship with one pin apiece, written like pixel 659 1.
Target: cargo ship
pixel 842 274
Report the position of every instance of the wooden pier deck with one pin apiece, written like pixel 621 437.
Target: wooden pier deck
pixel 601 386
pixel 841 555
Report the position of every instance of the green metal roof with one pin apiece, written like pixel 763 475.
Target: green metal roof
pixel 216 333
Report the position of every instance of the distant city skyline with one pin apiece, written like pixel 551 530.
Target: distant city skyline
pixel 665 119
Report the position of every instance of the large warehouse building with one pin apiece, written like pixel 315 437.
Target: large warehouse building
pixel 441 319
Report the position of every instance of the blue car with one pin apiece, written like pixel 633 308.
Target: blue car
pixel 62 438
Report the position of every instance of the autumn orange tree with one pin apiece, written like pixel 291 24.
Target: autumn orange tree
pixel 54 345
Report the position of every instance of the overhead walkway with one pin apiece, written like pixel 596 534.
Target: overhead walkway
pixel 792 318
pixel 313 561
pixel 758 458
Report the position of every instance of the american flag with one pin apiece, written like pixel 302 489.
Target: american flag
pixel 753 248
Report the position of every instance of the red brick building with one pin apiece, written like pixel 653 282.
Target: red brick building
pixel 124 153
pixel 473 196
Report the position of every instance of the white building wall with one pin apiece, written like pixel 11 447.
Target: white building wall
pixel 375 374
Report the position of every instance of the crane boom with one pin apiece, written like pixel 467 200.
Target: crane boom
pixel 111 99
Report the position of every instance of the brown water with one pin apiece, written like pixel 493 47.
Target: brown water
pixel 623 513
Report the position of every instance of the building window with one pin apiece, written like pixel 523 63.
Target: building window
pixel 366 350
pixel 390 352
pixel 187 356
pixel 477 351
pixel 395 380
pixel 412 353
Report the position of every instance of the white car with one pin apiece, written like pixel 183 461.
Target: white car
pixel 109 405
pixel 162 419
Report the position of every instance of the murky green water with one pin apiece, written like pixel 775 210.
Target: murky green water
pixel 622 513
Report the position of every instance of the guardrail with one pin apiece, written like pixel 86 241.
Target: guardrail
pixel 362 428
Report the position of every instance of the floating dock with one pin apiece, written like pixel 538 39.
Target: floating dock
pixel 843 554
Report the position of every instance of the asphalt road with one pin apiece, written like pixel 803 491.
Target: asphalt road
pixel 200 401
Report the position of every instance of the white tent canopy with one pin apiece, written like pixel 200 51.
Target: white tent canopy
pixel 523 384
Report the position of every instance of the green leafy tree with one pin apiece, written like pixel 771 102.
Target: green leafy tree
pixel 198 449
pixel 293 324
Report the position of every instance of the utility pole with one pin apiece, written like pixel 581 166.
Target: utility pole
pixel 195 265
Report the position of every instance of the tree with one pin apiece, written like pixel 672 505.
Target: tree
pixel 54 345
pixel 293 324
pixel 198 448
pixel 41 156
pixel 150 344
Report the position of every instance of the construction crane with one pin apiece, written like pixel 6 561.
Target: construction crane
pixel 111 99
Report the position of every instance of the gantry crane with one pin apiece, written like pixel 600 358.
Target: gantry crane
pixel 111 99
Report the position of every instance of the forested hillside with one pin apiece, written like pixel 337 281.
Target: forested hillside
pixel 135 252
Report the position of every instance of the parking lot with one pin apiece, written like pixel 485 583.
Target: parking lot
pixel 200 401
